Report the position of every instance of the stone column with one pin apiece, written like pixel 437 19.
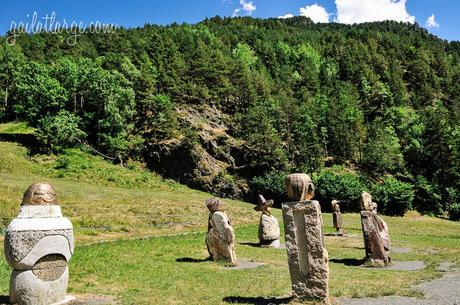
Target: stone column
pixel 375 233
pixel 307 255
pixel 220 239
pixel 38 245
pixel 269 229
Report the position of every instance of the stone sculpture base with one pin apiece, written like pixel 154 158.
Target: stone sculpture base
pixel 307 255
pixel 376 254
pixel 27 289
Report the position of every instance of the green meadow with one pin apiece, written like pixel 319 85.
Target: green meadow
pixel 141 238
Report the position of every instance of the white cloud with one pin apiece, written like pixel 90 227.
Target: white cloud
pixel 358 11
pixel 247 6
pixel 286 16
pixel 315 12
pixel 431 22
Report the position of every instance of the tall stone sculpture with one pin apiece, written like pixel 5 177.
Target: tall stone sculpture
pixel 269 229
pixel 38 245
pixel 337 218
pixel 221 237
pixel 307 255
pixel 375 232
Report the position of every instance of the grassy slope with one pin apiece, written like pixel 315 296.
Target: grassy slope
pixel 109 202
pixel 104 200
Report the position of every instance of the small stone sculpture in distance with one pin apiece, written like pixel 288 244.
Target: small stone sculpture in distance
pixel 337 218
pixel 269 229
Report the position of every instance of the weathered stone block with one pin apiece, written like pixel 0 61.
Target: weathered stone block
pixel 307 255
pixel 269 231
pixel 376 252
pixel 220 239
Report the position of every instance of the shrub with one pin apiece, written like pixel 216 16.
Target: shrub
pixel 393 196
pixel 454 211
pixel 428 198
pixel 338 183
pixel 59 131
pixel 271 185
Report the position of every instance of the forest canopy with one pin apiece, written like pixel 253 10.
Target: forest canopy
pixel 232 105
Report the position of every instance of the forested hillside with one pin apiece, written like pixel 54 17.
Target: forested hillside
pixel 230 105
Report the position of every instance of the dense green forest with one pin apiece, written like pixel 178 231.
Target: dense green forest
pixel 231 105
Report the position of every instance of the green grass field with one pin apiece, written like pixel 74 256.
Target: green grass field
pixel 112 208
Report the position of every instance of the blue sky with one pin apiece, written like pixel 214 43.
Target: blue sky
pixel 439 17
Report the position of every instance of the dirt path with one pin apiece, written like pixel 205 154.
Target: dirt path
pixel 442 291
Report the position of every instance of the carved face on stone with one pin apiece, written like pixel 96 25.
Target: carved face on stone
pixel 335 206
pixel 374 207
pixel 40 194
pixel 299 187
pixel 365 202
pixel 214 205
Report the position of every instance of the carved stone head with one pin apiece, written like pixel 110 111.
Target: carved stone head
pixel 299 187
pixel 335 204
pixel 264 205
pixel 214 205
pixel 40 194
pixel 365 202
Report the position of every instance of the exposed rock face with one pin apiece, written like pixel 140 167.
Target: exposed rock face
pixel 375 232
pixel 220 239
pixel 38 245
pixel 206 162
pixel 269 229
pixel 337 218
pixel 307 255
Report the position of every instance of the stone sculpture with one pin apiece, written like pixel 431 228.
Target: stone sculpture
pixel 39 243
pixel 375 232
pixel 269 229
pixel 220 239
pixel 307 255
pixel 337 218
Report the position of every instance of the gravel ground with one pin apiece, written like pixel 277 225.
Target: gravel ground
pixel 442 291
pixel 406 265
pixel 242 264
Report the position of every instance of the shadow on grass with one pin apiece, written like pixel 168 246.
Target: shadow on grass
pixel 4 300
pixel 348 261
pixel 257 301
pixel 255 245
pixel 192 260
pixel 27 140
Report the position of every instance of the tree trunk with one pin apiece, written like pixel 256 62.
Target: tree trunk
pixel 6 95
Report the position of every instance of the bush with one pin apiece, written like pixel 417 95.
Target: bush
pixel 339 183
pixel 428 198
pixel 271 186
pixel 59 131
pixel 454 211
pixel 393 196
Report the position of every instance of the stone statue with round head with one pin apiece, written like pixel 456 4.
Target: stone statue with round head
pixel 39 243
pixel 299 187
pixel 220 239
